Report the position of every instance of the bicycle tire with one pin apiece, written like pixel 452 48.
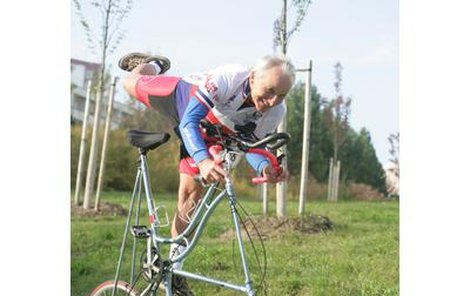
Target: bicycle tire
pixel 122 289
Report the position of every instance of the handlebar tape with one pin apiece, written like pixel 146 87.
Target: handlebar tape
pixel 214 151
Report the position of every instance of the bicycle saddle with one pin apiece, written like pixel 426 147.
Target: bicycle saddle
pixel 147 140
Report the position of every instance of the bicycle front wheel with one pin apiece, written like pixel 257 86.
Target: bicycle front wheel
pixel 122 288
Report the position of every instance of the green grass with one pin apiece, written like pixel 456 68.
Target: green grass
pixel 359 257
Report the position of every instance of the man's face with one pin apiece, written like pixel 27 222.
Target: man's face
pixel 269 89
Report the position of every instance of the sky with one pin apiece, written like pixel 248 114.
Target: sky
pixel 362 35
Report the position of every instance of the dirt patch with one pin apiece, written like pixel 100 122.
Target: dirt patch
pixel 106 209
pixel 271 227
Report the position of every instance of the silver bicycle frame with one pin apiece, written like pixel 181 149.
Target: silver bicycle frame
pixel 197 224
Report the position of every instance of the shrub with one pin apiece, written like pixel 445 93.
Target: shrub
pixel 358 191
pixel 122 159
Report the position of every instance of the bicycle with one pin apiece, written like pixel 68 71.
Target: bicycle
pixel 226 150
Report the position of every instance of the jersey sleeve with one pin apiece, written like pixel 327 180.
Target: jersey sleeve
pixel 257 161
pixel 217 86
pixel 190 132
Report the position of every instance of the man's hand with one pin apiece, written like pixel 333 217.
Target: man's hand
pixel 273 177
pixel 211 172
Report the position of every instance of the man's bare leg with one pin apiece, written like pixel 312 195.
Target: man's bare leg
pixel 189 193
pixel 131 80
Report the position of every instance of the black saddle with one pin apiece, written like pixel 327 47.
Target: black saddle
pixel 147 140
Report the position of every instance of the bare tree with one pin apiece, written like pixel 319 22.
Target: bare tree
pixel 282 36
pixel 394 140
pixel 112 13
pixel 337 112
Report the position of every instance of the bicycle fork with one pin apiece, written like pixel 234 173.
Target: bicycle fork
pixel 233 202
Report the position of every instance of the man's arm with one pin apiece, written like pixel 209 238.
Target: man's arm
pixel 264 168
pixel 194 142
pixel 257 161
pixel 190 131
pixel 260 163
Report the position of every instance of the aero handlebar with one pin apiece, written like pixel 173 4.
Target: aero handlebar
pixel 273 141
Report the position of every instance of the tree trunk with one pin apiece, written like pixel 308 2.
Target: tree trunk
pixel 105 142
pixel 90 180
pixel 83 143
pixel 281 187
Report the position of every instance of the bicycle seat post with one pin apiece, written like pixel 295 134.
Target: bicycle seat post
pixel 148 190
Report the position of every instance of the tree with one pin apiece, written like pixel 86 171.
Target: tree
pixel 393 171
pixel 295 105
pixel 361 164
pixel 281 39
pixel 113 12
pixel 337 113
pixel 394 140
pixel 281 33
pixel 359 160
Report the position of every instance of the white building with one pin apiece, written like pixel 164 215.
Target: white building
pixel 81 73
pixel 392 175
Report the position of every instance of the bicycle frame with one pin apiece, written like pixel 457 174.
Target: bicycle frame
pixel 204 210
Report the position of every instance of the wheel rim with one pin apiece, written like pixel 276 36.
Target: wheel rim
pixel 122 288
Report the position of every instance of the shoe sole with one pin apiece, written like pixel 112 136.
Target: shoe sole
pixel 162 61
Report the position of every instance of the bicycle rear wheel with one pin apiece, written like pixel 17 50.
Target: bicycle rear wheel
pixel 122 289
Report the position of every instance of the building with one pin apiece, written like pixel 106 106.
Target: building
pixel 81 73
pixel 392 175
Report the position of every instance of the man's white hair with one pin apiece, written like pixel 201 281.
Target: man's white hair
pixel 270 61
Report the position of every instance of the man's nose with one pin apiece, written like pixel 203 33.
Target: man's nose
pixel 272 100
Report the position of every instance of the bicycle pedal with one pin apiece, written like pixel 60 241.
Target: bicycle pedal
pixel 140 231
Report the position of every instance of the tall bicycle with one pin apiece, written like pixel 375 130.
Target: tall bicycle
pixel 157 271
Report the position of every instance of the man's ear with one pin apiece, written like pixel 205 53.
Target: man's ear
pixel 252 76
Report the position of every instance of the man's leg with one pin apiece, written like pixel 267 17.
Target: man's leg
pixel 131 80
pixel 138 64
pixel 189 193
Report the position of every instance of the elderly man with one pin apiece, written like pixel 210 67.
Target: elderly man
pixel 241 100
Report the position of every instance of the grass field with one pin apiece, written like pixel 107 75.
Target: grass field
pixel 359 257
